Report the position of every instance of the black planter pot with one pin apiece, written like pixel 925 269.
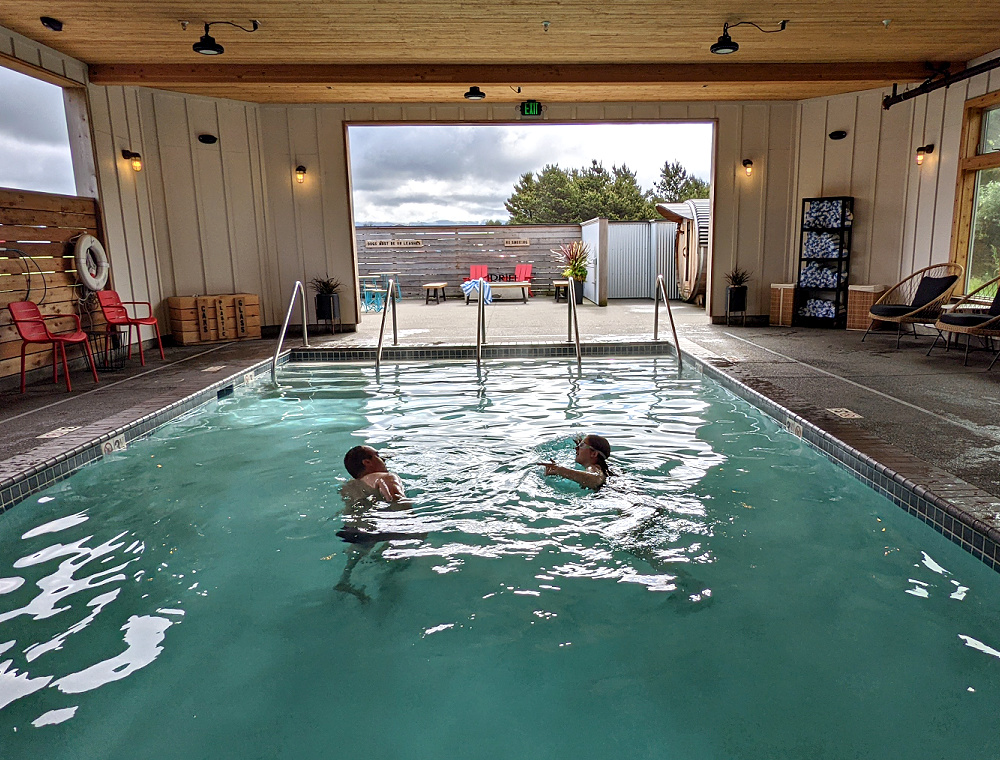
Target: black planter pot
pixel 578 291
pixel 736 301
pixel 736 298
pixel 327 306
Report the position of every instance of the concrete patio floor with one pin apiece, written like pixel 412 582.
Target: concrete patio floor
pixel 931 416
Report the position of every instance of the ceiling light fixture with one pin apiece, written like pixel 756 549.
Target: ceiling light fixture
pixel 923 151
pixel 134 158
pixel 52 24
pixel 475 93
pixel 748 166
pixel 727 45
pixel 300 174
pixel 207 44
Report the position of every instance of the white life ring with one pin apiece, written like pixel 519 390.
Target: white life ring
pixel 91 262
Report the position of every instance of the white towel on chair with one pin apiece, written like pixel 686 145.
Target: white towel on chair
pixel 469 285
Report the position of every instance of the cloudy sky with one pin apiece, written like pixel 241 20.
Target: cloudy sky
pixel 34 142
pixel 407 174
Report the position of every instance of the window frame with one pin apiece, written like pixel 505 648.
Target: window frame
pixel 970 162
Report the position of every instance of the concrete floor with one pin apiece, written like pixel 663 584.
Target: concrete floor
pixel 942 414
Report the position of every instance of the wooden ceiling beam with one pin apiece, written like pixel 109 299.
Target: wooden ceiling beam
pixel 177 75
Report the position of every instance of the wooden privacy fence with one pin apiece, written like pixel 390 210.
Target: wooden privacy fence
pixel 42 228
pixel 444 254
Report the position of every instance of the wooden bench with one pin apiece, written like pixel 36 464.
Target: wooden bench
pixel 437 290
pixel 562 288
pixel 494 286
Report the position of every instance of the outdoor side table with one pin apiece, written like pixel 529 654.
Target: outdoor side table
pixel 562 289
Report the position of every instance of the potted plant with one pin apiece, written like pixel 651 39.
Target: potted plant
pixel 327 298
pixel 736 293
pixel 574 258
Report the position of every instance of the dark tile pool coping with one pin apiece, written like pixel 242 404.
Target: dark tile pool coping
pixel 962 513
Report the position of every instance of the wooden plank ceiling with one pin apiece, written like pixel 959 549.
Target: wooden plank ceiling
pixel 433 50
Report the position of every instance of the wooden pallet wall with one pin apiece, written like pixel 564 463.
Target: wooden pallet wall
pixel 44 227
pixel 444 254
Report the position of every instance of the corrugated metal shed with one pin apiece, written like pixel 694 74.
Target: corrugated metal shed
pixel 637 252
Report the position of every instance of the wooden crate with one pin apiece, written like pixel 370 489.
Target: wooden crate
pixel 859 300
pixel 214 319
pixel 782 300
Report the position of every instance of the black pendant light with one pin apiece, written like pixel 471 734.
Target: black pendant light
pixel 725 45
pixel 475 93
pixel 207 45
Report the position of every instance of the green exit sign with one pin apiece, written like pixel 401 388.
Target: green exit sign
pixel 530 108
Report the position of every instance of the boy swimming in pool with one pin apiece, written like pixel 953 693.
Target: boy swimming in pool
pixel 371 478
pixel 371 482
pixel 592 451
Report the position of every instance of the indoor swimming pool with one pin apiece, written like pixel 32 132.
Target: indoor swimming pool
pixel 729 593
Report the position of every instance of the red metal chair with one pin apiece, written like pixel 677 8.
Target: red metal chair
pixel 522 273
pixel 116 315
pixel 31 327
pixel 478 270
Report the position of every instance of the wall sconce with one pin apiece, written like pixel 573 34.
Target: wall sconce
pixel 300 174
pixel 922 151
pixel 748 166
pixel 134 158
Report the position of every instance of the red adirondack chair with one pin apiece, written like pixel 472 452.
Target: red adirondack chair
pixel 478 270
pixel 522 273
pixel 31 327
pixel 115 314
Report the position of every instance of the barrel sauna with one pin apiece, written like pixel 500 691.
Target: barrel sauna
pixel 691 253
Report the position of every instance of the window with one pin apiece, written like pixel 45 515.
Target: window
pixel 976 236
pixel 34 137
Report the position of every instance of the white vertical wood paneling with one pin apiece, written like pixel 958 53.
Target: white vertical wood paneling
pixel 841 113
pixel 927 180
pixel 890 194
pixel 812 152
pixel 864 141
pixel 779 206
pixel 947 173
pixel 754 133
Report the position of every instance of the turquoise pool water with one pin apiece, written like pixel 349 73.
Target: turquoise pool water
pixel 729 594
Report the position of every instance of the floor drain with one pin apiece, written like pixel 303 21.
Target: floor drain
pixel 846 413
pixel 59 432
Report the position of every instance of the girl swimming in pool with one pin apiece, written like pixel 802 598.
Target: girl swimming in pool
pixel 592 451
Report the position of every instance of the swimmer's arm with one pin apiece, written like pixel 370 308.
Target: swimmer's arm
pixel 584 478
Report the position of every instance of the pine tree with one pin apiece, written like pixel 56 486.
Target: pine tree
pixel 676 185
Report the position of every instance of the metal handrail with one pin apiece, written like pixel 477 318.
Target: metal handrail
pixel 389 298
pixel 297 288
pixel 480 323
pixel 573 326
pixel 662 290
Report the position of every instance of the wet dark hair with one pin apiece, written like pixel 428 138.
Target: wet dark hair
pixel 354 460
pixel 603 448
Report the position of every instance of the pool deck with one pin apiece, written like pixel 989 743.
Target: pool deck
pixel 929 418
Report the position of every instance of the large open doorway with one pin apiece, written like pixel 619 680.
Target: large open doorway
pixel 450 184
